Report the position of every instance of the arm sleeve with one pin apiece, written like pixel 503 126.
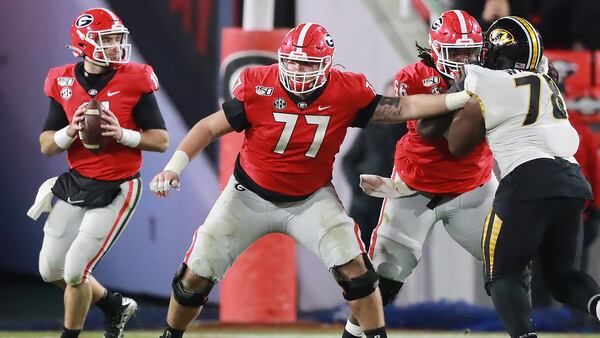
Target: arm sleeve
pixel 146 113
pixel 57 118
pixel 364 115
pixel 236 114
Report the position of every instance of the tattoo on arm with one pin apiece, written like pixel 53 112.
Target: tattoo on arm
pixel 388 109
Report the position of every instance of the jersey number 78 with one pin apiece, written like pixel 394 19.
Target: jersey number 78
pixel 559 110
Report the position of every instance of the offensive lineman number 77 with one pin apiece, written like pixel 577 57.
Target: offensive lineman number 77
pixel 290 122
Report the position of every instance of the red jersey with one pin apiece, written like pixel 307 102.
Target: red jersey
pixel 290 143
pixel 68 86
pixel 587 155
pixel 428 165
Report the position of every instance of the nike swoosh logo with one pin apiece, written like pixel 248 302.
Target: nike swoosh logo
pixel 73 202
pixel 321 108
pixel 109 94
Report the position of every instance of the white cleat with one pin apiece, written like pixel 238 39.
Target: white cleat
pixel 116 324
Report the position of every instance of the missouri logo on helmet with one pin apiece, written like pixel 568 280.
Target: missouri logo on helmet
pixel 512 42
pixel 501 37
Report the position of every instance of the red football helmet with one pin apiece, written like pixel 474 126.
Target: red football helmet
pixel 89 33
pixel 308 45
pixel 455 38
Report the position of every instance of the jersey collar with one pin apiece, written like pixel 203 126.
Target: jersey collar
pixel 92 87
pixel 303 103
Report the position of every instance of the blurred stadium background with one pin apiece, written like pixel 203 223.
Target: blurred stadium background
pixel 182 40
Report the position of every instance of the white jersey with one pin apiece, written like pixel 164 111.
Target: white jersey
pixel 525 116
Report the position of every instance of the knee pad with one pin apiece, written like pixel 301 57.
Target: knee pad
pixel 48 275
pixel 73 279
pixel 360 286
pixel 389 289
pixel 189 298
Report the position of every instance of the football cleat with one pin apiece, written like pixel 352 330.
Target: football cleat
pixel 115 324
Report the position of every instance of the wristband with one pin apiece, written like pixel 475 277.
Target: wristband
pixel 130 138
pixel 178 162
pixel 454 101
pixel 62 140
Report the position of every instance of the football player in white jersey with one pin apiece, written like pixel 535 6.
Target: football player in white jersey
pixel 537 210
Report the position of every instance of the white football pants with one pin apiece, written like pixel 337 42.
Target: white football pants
pixel 76 238
pixel 240 217
pixel 406 222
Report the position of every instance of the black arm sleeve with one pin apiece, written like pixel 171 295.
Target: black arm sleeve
pixel 57 118
pixel 146 113
pixel 364 115
pixel 235 114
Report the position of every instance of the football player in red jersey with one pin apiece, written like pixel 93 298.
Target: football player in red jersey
pixel 455 190
pixel 100 192
pixel 295 115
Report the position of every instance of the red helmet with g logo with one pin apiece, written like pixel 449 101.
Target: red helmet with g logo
pixel 311 46
pixel 455 38
pixel 88 31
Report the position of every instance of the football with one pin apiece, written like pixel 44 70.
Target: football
pixel 91 132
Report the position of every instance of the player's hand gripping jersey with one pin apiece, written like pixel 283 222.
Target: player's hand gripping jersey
pixel 428 165
pixel 120 91
pixel 291 143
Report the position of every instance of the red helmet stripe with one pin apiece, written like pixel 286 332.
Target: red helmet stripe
pixel 303 32
pixel 463 24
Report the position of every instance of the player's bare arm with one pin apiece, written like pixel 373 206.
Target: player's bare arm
pixel 49 138
pixel 415 107
pixel 200 136
pixel 467 129
pixel 433 128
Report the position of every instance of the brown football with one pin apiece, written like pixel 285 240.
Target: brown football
pixel 91 132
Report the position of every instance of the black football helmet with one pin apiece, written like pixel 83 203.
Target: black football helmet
pixel 512 42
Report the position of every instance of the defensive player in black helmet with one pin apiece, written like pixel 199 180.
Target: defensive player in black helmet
pixel 537 210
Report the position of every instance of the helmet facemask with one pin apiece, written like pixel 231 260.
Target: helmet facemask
pixel 107 54
pixel 451 57
pixel 302 82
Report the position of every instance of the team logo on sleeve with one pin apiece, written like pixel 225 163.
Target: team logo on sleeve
pixel 432 81
pixel 66 93
pixel 234 64
pixel 264 91
pixel 279 103
pixel 65 81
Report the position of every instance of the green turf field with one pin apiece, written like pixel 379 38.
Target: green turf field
pixel 271 333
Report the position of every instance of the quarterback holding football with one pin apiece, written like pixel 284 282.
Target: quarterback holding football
pixel 103 113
